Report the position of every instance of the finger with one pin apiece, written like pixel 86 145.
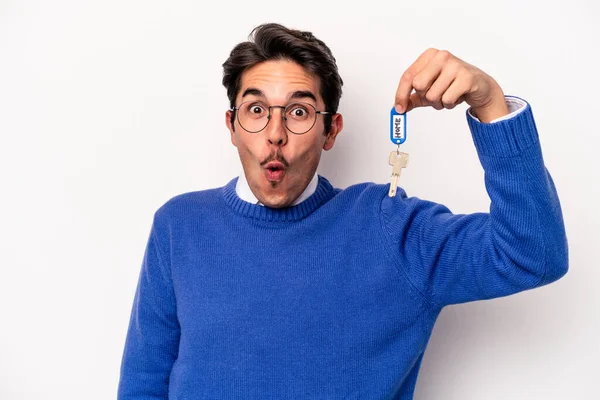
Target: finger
pixel 450 106
pixel 428 75
pixel 454 95
pixel 442 83
pixel 415 101
pixel 405 86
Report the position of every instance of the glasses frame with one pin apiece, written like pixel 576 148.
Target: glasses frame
pixel 283 113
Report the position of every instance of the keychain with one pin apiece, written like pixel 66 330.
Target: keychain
pixel 398 159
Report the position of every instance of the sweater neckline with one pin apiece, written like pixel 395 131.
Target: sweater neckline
pixel 322 194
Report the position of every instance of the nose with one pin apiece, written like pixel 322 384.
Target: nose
pixel 276 132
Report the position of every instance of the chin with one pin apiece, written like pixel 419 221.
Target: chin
pixel 277 194
pixel 277 201
pixel 277 198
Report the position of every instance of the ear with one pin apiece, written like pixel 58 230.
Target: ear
pixel 230 126
pixel 337 123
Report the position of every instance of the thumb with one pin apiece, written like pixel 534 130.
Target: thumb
pixel 415 100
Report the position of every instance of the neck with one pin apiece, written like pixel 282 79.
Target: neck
pixel 322 193
pixel 245 193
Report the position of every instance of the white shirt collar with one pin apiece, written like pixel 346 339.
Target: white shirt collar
pixel 243 191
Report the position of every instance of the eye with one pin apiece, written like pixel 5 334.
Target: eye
pixel 298 111
pixel 256 109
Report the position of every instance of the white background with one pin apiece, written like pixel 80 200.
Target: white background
pixel 110 108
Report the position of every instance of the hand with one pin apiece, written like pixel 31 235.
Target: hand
pixel 442 80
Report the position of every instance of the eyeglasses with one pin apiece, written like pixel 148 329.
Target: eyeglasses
pixel 299 118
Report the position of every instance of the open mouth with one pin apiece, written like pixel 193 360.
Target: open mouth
pixel 274 171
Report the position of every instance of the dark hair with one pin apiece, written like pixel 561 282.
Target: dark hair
pixel 276 42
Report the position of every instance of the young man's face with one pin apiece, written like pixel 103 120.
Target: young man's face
pixel 279 164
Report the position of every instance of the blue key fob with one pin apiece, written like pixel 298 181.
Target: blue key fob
pixel 397 126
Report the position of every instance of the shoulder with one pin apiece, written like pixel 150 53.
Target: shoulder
pixel 190 204
pixel 361 197
pixel 370 192
pixel 375 195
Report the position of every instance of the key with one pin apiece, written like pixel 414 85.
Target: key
pixel 398 160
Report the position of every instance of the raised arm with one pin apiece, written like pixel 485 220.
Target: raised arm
pixel 521 243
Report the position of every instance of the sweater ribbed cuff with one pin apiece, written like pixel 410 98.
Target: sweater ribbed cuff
pixel 505 138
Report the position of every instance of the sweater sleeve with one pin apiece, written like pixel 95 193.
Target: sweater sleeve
pixel 152 341
pixel 520 244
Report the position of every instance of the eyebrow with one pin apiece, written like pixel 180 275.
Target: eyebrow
pixel 253 92
pixel 303 94
pixel 298 94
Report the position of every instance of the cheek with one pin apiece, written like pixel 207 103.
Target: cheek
pixel 310 152
pixel 248 148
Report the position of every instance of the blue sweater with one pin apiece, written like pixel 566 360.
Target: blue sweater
pixel 334 298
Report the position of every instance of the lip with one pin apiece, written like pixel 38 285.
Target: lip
pixel 275 165
pixel 274 171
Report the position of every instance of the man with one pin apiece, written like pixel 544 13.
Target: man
pixel 278 285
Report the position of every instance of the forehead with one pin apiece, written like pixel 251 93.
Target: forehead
pixel 278 79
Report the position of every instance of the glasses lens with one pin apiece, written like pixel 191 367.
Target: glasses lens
pixel 300 117
pixel 253 115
